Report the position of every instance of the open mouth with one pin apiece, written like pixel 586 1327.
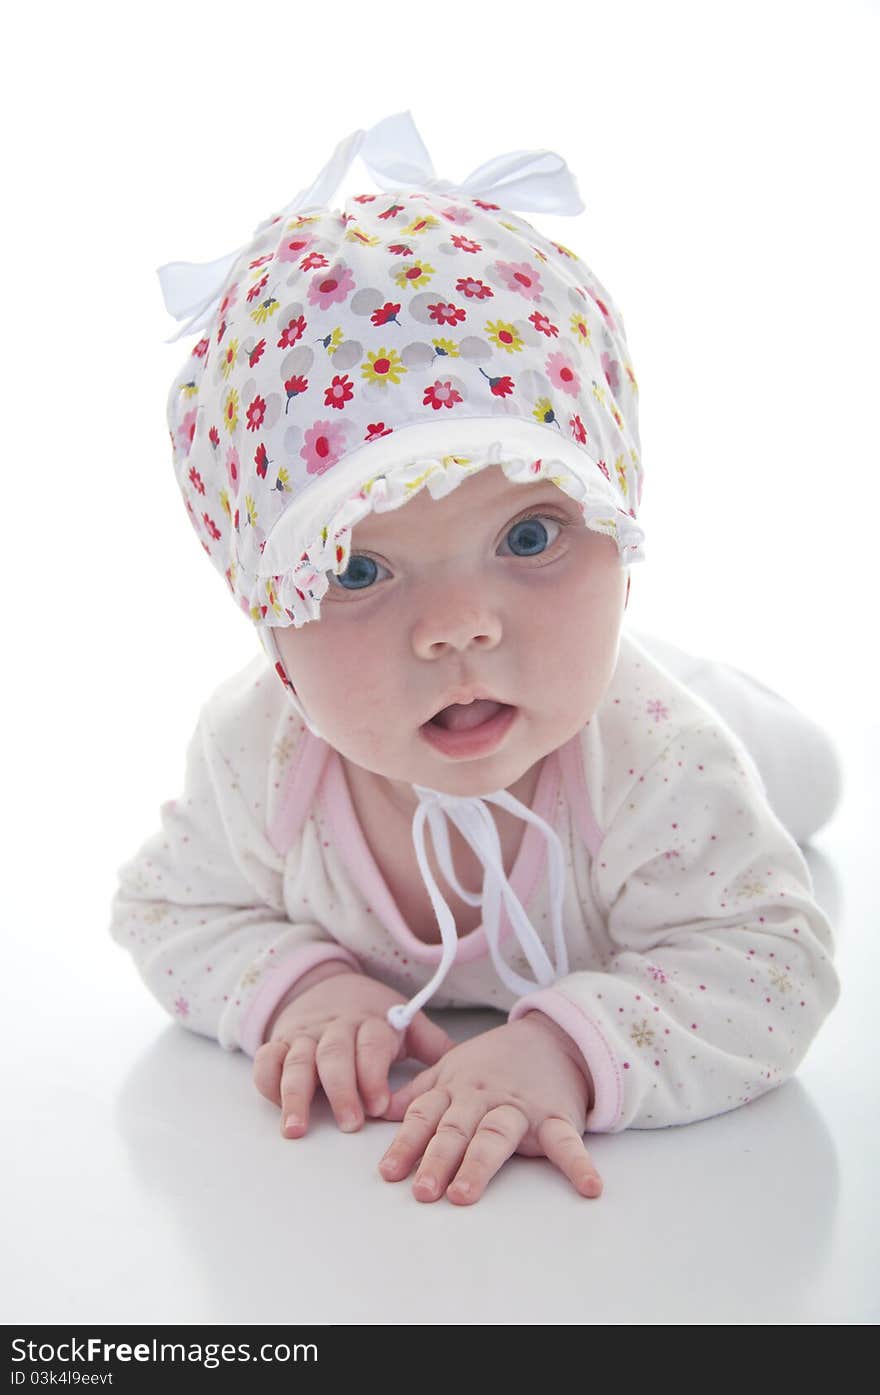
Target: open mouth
pixel 466 716
pixel 471 730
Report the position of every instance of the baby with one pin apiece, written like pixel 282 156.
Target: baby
pixel 409 443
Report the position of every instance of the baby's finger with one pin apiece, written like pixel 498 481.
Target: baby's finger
pixel 376 1047
pixel 267 1069
pixel 498 1136
pixel 564 1146
pixel 298 1085
pixel 413 1137
pixel 403 1098
pixel 335 1061
pixel 425 1041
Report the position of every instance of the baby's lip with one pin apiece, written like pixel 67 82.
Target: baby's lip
pixel 463 696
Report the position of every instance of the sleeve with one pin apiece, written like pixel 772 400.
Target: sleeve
pixel 201 908
pixel 718 971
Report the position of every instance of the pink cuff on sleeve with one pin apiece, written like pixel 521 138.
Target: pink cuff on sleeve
pixel 279 982
pixel 596 1051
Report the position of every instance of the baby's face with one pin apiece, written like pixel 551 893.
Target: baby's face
pixel 440 594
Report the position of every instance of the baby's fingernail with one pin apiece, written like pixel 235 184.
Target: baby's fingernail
pixel 380 1104
pixel 293 1121
pixel 349 1122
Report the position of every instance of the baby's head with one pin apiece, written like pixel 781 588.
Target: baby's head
pixel 496 587
pixel 381 393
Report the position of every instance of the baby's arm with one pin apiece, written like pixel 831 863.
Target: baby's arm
pixel 201 906
pixel 719 972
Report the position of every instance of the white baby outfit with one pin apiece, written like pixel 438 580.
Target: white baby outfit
pixel 699 964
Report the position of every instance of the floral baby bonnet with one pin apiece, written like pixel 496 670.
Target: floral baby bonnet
pixel 349 357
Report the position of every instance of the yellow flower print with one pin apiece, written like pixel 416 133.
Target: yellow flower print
pixel 620 471
pixel 230 410
pixel 598 392
pixel 642 1034
pixel 301 219
pixel 224 500
pixel 420 225
pixel 364 239
pixel 504 336
pixel 580 328
pixel 283 481
pixel 408 280
pixel 189 389
pixel 332 340
pixel 566 251
pixel 631 375
pixel 543 411
pixel 272 598
pixel 250 509
pixel 230 353
pixel 383 367
pixel 447 347
pixel 267 307
pixel 779 981
pixel 617 417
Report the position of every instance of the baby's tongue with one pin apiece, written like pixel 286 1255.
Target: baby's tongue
pixel 461 717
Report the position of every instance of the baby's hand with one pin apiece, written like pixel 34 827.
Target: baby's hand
pixel 520 1088
pixel 336 1030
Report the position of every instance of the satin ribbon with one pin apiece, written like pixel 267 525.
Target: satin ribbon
pixel 396 158
pixel 474 821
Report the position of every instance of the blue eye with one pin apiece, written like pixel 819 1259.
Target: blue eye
pixel 531 534
pixel 361 572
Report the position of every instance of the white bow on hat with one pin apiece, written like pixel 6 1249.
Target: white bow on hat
pixel 396 157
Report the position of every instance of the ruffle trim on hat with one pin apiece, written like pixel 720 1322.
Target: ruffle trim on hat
pixel 294 596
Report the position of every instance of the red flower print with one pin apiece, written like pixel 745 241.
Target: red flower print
pixel 256 353
pixel 256 413
pixel 465 244
pixel 227 301
pixel 501 387
pixel 314 259
pixel 254 292
pixel 467 285
pixel 292 332
pixel 377 429
pixel 261 460
pixel 522 278
pixel 211 526
pixel 340 391
pixel 577 429
pixel 365 198
pixel 440 395
pixel 385 315
pixel 293 387
pixel 447 314
pixel 604 468
pixel 235 521
pixel 331 287
pixel 391 211
pixel 542 323
pixel 195 480
pixel 279 669
pixel 260 261
pixel 489 207
pixel 400 249
pixel 602 306
pixel 201 348
pixel 214 437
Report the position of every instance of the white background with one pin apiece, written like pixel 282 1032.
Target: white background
pixel 727 157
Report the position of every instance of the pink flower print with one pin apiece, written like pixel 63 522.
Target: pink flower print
pixel 563 374
pixel 602 306
pixel 465 244
pixel 292 247
pixel 324 444
pixel 181 1007
pixel 447 314
pixel 211 526
pixel 656 710
pixel 228 301
pixel 256 413
pixel 201 348
pixel 473 289
pixel 196 481
pixel 233 473
pixel 385 315
pixel 186 430
pixel 340 391
pixel 312 261
pixel 331 287
pixel 578 430
pixel 260 261
pixel 543 324
pixel 440 395
pixel 611 369
pixel 292 332
pixel 522 278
